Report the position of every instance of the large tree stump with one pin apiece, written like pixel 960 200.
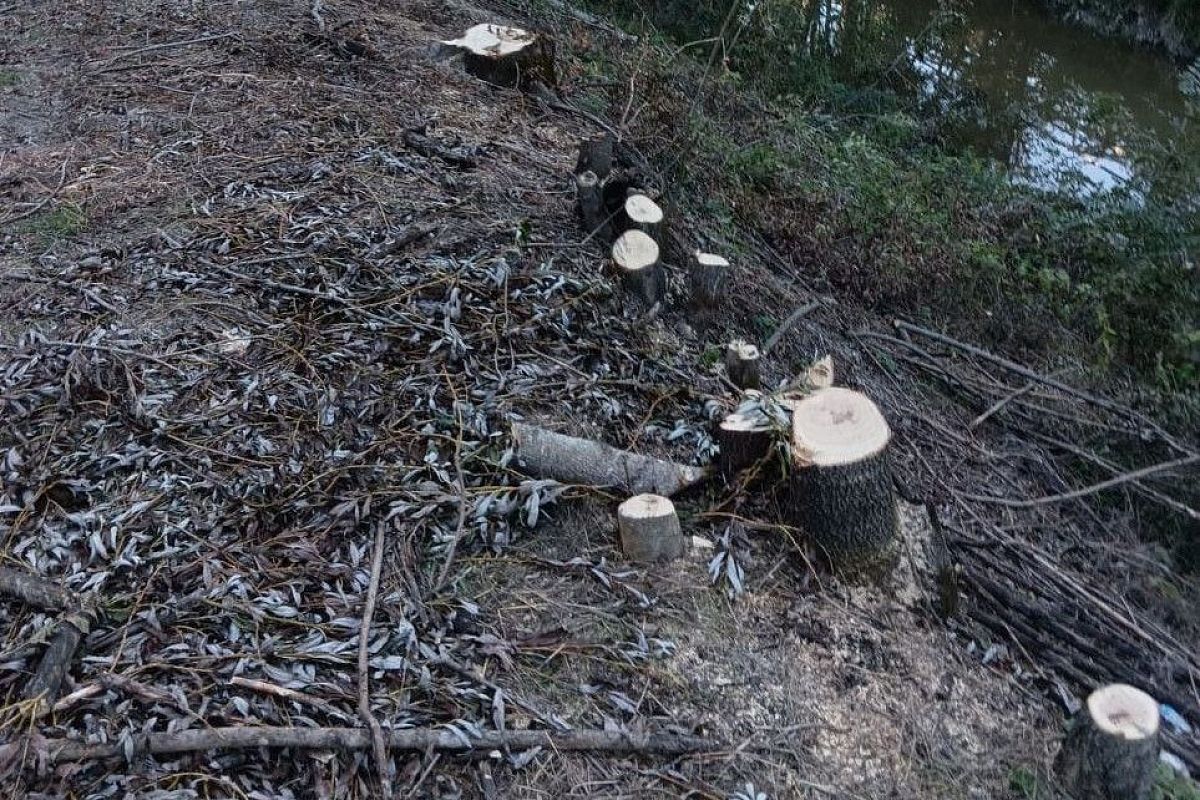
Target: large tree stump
pixel 508 57
pixel 1111 749
pixel 741 364
pixel 744 441
pixel 596 155
pixel 707 279
pixel 643 214
pixel 636 257
pixel 841 489
pixel 650 529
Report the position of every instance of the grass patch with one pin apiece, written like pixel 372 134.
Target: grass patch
pixel 1170 785
pixel 9 77
pixel 62 223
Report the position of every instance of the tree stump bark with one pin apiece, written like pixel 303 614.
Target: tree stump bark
pixel 650 529
pixel 707 279
pixel 596 155
pixel 636 256
pixel 841 487
pixel 508 57
pixel 1111 749
pixel 744 442
pixel 643 214
pixel 590 195
pixel 741 364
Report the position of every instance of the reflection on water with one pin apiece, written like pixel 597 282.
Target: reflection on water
pixel 1063 107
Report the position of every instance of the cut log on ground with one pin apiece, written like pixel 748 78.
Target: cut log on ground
pixel 741 364
pixel 34 590
pixel 508 57
pixel 596 155
pixel 590 195
pixel 568 459
pixel 707 279
pixel 744 442
pixel 56 661
pixel 636 257
pixel 643 214
pixel 650 529
pixel 419 740
pixel 1111 749
pixel 841 491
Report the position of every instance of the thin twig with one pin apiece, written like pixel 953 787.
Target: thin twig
pixel 1145 472
pixel 168 45
pixel 378 745
pixel 999 404
pixel 788 323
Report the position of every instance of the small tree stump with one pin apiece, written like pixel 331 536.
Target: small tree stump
pixel 841 488
pixel 741 363
pixel 508 57
pixel 636 256
pixel 596 155
pixel 650 529
pixel 590 195
pixel 643 214
pixel 1111 749
pixel 744 441
pixel 707 279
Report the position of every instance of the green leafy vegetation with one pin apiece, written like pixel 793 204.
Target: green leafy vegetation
pixel 60 223
pixel 1170 785
pixel 1025 784
pixel 8 77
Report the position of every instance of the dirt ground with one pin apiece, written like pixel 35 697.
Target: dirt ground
pixel 255 319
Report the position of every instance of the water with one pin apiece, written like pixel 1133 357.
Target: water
pixel 1063 107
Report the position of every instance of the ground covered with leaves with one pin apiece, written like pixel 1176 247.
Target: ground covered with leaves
pixel 277 283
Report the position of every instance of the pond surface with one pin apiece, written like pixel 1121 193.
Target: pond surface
pixel 1065 108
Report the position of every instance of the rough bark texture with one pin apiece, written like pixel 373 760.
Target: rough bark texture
pixel 849 510
pixel 741 364
pixel 596 155
pixel 508 57
pixel 650 529
pixel 35 590
pixel 569 459
pixel 707 280
pixel 590 195
pixel 56 660
pixel 742 445
pixel 636 256
pixel 1099 764
pixel 413 740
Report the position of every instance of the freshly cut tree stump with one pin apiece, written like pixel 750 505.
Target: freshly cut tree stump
pixel 744 441
pixel 1111 749
pixel 643 214
pixel 841 491
pixel 650 529
pixel 636 256
pixel 707 279
pixel 508 57
pixel 741 363
pixel 590 195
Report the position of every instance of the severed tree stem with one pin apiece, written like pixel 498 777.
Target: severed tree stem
pixel 57 751
pixel 378 746
pixel 34 590
pixel 569 459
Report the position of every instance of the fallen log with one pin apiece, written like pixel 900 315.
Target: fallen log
pixel 34 590
pixel 568 459
pixel 1111 749
pixel 57 751
pixel 56 661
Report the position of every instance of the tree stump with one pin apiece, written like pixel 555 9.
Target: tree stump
pixel 650 529
pixel 841 488
pixel 590 195
pixel 1111 749
pixel 741 364
pixel 636 256
pixel 643 214
pixel 508 57
pixel 707 279
pixel 744 442
pixel 596 155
